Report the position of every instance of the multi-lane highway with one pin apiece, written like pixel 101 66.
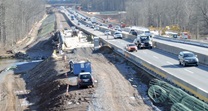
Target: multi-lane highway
pixel 195 76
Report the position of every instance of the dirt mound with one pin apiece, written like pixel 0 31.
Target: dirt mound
pixel 51 94
pixel 106 50
pixel 46 82
pixel 48 85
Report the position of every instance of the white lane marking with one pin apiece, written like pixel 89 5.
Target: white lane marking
pixel 169 62
pixel 188 71
pixel 156 57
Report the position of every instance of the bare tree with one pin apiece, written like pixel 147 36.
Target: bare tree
pixel 190 15
pixel 17 18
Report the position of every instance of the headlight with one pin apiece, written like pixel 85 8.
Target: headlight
pixel 186 60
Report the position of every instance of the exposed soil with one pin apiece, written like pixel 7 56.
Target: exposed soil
pixel 49 86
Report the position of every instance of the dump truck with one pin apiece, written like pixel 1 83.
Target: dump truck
pixel 79 67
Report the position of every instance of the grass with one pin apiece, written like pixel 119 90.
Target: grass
pixel 47 26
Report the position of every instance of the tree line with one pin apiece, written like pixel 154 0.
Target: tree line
pixel 17 18
pixel 102 5
pixel 188 15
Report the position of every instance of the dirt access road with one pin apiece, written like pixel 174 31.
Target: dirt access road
pixel 44 88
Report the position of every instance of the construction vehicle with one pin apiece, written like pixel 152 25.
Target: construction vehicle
pixel 79 67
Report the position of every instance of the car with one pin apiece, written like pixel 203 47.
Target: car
pixel 110 26
pixel 133 33
pixel 65 28
pixel 91 26
pixel 96 28
pixel 85 79
pixel 117 28
pixel 117 35
pixel 101 24
pixel 188 58
pixel 107 32
pixel 131 47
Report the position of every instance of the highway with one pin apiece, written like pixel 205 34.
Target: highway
pixel 198 47
pixel 195 76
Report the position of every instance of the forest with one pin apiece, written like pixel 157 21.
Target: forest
pixel 17 18
pixel 188 15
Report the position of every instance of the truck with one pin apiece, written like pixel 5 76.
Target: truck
pixel 77 67
pixel 143 41
pixel 93 20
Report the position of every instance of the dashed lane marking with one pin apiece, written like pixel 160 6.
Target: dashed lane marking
pixel 188 71
pixel 155 57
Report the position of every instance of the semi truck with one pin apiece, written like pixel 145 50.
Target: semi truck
pixel 143 41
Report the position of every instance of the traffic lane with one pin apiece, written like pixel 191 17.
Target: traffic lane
pixel 197 49
pixel 194 84
pixel 184 46
pixel 196 75
pixel 169 62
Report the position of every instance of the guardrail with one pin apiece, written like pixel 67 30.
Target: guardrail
pixel 154 70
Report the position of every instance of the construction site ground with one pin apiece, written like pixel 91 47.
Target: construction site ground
pixel 50 87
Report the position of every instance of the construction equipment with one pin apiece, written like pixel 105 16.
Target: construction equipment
pixel 81 66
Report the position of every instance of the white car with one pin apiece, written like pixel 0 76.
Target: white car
pixel 117 35
pixel 117 28
pixel 96 28
pixel 107 32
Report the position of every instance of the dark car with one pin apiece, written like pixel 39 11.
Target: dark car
pixel 134 33
pixel 85 79
pixel 187 58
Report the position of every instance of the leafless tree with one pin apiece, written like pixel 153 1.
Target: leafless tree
pixel 190 15
pixel 17 18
